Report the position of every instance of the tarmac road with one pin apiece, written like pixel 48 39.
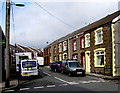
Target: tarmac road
pixel 55 81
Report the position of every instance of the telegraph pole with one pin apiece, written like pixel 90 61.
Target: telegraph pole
pixel 7 83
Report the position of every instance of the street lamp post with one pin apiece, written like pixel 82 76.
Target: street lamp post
pixel 7 42
pixel 7 32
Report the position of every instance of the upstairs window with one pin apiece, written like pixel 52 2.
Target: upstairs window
pixel 55 49
pixel 74 45
pixel 60 47
pixel 64 45
pixel 87 40
pixel 82 39
pixel 98 36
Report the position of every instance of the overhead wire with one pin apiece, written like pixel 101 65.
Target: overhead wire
pixel 53 15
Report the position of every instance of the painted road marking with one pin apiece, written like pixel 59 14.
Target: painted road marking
pixel 51 86
pixel 24 88
pixel 63 84
pixel 61 80
pixel 47 73
pixel 91 81
pixel 73 83
pixel 39 87
pixel 9 90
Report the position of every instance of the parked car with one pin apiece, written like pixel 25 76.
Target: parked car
pixel 56 66
pixel 72 67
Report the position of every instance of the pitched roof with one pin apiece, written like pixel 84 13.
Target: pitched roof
pixel 26 49
pixel 15 48
pixel 94 25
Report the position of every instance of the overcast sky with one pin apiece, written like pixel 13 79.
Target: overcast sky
pixel 34 26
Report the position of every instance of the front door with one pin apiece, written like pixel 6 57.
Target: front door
pixel 83 59
pixel 87 57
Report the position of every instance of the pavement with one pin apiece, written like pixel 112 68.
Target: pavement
pixel 105 77
pixel 14 82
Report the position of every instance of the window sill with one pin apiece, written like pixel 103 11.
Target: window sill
pixel 81 48
pixel 74 50
pixel 65 50
pixel 98 43
pixel 100 66
pixel 87 46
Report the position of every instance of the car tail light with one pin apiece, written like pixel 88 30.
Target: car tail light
pixel 58 64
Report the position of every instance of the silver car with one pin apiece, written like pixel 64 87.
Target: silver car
pixel 72 67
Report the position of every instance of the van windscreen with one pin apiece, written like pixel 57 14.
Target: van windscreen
pixel 74 64
pixel 27 64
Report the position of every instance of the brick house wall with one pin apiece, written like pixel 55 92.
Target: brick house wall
pixel 107 44
pixel 101 58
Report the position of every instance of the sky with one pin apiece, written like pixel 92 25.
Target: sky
pixel 49 20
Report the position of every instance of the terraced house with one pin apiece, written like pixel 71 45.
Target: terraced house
pixel 95 46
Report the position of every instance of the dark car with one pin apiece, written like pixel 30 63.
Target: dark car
pixel 56 66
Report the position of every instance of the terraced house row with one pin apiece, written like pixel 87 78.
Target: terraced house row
pixel 96 46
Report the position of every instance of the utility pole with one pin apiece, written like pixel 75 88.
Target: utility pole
pixel 7 83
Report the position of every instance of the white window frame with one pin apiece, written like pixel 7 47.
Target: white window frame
pixel 55 58
pixel 64 45
pixel 100 50
pixel 87 41
pixel 74 45
pixel 64 55
pixel 75 56
pixel 82 42
pixel 60 47
pixel 96 36
pixel 60 57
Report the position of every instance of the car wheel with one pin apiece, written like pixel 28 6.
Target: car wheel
pixel 55 70
pixel 50 68
pixel 70 74
pixel 83 73
pixel 62 72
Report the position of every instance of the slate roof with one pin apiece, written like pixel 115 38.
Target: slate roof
pixel 103 21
